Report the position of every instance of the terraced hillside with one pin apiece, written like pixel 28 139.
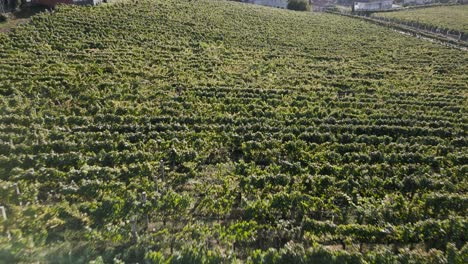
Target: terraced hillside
pixel 451 17
pixel 211 131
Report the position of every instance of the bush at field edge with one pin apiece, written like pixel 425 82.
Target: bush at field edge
pixel 299 5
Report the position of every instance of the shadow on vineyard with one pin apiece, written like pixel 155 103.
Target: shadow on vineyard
pixel 217 132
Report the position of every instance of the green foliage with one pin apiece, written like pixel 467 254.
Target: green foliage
pixel 213 131
pixel 298 5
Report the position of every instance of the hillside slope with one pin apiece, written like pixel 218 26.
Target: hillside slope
pixel 255 134
pixel 449 17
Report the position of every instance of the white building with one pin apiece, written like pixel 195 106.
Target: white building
pixel 417 2
pixel 373 6
pixel 272 3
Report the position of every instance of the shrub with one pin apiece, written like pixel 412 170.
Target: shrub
pixel 299 5
pixel 3 18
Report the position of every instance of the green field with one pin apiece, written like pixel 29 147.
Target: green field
pixel 285 137
pixel 450 17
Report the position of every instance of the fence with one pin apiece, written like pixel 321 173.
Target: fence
pixel 414 25
pixel 455 34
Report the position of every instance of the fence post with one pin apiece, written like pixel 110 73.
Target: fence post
pixel 134 228
pixel 18 193
pixel 156 187
pixel 143 202
pixel 2 209
pixel 161 169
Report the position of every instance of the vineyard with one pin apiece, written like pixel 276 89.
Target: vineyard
pixel 208 131
pixel 451 17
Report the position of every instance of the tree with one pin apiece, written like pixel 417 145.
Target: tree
pixel 299 5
